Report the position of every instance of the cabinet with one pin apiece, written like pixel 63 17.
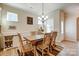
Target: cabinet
pixel 0 28
pixel 8 41
pixel 1 41
pixel 5 41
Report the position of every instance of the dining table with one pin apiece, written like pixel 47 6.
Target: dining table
pixel 35 39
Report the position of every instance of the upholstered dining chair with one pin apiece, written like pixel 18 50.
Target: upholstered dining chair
pixel 24 48
pixel 45 44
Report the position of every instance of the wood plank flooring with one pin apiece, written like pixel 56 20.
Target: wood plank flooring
pixel 70 49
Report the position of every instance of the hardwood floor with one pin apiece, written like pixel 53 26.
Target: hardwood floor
pixel 78 49
pixel 70 49
pixel 9 52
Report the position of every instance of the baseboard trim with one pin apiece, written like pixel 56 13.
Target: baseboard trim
pixel 68 41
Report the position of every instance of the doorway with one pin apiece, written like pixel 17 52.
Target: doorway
pixel 78 29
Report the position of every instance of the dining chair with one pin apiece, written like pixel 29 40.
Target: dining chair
pixel 53 41
pixel 53 45
pixel 24 48
pixel 53 38
pixel 45 44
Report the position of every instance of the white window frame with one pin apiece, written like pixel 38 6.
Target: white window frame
pixel 10 16
pixel 62 27
pixel 48 26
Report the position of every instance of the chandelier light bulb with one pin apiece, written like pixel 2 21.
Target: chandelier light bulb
pixel 46 16
pixel 42 16
pixel 39 17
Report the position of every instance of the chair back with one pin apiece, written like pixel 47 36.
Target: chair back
pixel 53 37
pixel 24 46
pixel 46 40
pixel 21 46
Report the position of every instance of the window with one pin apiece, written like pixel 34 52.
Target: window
pixel 62 27
pixel 48 28
pixel 48 25
pixel 12 16
pixel 39 22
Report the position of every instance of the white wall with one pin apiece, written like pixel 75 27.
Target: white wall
pixel 0 16
pixel 57 18
pixel 21 25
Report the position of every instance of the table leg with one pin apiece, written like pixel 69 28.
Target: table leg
pixel 34 50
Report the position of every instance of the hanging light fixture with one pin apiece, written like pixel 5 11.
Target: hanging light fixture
pixel 43 18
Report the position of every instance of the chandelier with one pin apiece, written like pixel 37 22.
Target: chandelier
pixel 43 18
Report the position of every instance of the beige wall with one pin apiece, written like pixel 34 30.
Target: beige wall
pixel 0 14
pixel 0 17
pixel 72 13
pixel 21 25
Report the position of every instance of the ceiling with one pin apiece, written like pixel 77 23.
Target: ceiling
pixel 72 8
pixel 36 8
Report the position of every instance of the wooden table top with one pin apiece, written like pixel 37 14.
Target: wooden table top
pixel 35 37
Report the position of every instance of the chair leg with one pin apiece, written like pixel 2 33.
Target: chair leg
pixel 42 52
pixel 22 53
pixel 50 48
pixel 18 52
